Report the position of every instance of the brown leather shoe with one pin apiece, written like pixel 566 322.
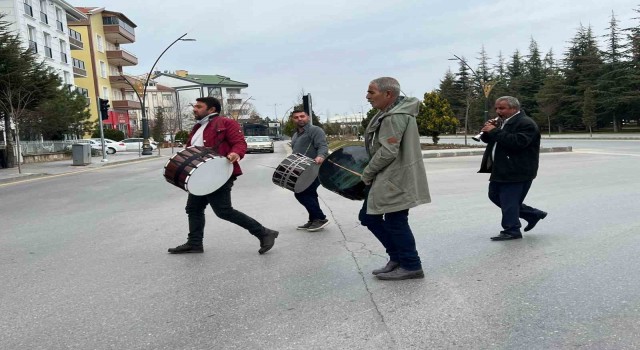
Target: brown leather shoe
pixel 390 266
pixel 400 274
pixel 267 240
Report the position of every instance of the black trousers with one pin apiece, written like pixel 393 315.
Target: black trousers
pixel 509 197
pixel 309 199
pixel 220 202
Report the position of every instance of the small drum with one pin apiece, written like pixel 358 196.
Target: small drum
pixel 198 170
pixel 341 171
pixel 295 173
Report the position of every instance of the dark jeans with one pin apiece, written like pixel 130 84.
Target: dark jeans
pixel 393 231
pixel 509 197
pixel 220 201
pixel 309 199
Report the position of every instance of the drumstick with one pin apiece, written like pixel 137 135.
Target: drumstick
pixel 340 166
pixel 267 166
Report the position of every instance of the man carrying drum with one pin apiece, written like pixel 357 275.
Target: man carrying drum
pixel 310 140
pixel 225 137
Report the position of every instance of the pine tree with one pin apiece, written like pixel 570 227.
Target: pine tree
pixel 614 82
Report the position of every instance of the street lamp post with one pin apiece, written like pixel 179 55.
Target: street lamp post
pixel 146 146
pixel 486 87
pixel 242 105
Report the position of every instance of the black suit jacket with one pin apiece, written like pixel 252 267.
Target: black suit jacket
pixel 517 150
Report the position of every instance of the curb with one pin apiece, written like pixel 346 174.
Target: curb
pixel 481 152
pixel 21 177
pixel 28 176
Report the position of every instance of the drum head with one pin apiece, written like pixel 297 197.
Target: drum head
pixel 339 172
pixel 306 178
pixel 209 176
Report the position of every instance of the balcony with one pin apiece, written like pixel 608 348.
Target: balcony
pixel 79 70
pixel 75 40
pixel 119 82
pixel 121 58
pixel 117 31
pixel 125 104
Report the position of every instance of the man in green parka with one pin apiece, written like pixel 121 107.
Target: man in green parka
pixel 395 177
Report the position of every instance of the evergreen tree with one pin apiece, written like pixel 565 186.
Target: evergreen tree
pixel 614 81
pixel 157 132
pixel 24 84
pixel 532 79
pixel 435 117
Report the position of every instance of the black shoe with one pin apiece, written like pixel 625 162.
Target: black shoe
pixel 400 274
pixel 390 266
pixel 318 225
pixel 531 224
pixel 305 226
pixel 186 248
pixel 505 237
pixel 267 240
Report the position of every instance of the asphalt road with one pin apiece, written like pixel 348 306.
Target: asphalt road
pixel 84 264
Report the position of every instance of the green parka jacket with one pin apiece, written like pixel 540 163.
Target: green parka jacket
pixel 396 168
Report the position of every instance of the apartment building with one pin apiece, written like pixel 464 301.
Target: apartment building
pixel 43 26
pixel 98 67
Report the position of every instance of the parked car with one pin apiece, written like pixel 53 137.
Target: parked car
pixel 112 146
pixel 259 144
pixel 135 143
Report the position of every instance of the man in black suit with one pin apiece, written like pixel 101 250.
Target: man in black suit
pixel 511 156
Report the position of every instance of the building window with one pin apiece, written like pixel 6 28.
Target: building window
pixel 103 69
pixel 32 39
pixel 47 45
pixel 100 43
pixel 67 78
pixel 59 20
pixel 233 91
pixel 28 8
pixel 43 12
pixel 105 92
pixel 63 51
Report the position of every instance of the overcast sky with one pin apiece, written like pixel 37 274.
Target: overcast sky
pixel 333 49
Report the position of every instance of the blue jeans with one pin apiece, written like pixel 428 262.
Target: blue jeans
pixel 509 197
pixel 393 231
pixel 309 199
pixel 220 201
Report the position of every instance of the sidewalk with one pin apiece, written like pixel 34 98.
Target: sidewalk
pixel 33 170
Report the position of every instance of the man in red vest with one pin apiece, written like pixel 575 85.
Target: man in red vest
pixel 225 137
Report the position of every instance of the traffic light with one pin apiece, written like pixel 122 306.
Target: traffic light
pixel 104 108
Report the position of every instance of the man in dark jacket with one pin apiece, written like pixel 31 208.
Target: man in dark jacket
pixel 511 156
pixel 226 138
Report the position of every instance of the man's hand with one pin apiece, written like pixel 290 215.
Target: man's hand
pixel 319 160
pixel 366 182
pixel 233 157
pixel 487 127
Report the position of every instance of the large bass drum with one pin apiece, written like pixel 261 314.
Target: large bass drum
pixel 295 173
pixel 198 170
pixel 342 169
